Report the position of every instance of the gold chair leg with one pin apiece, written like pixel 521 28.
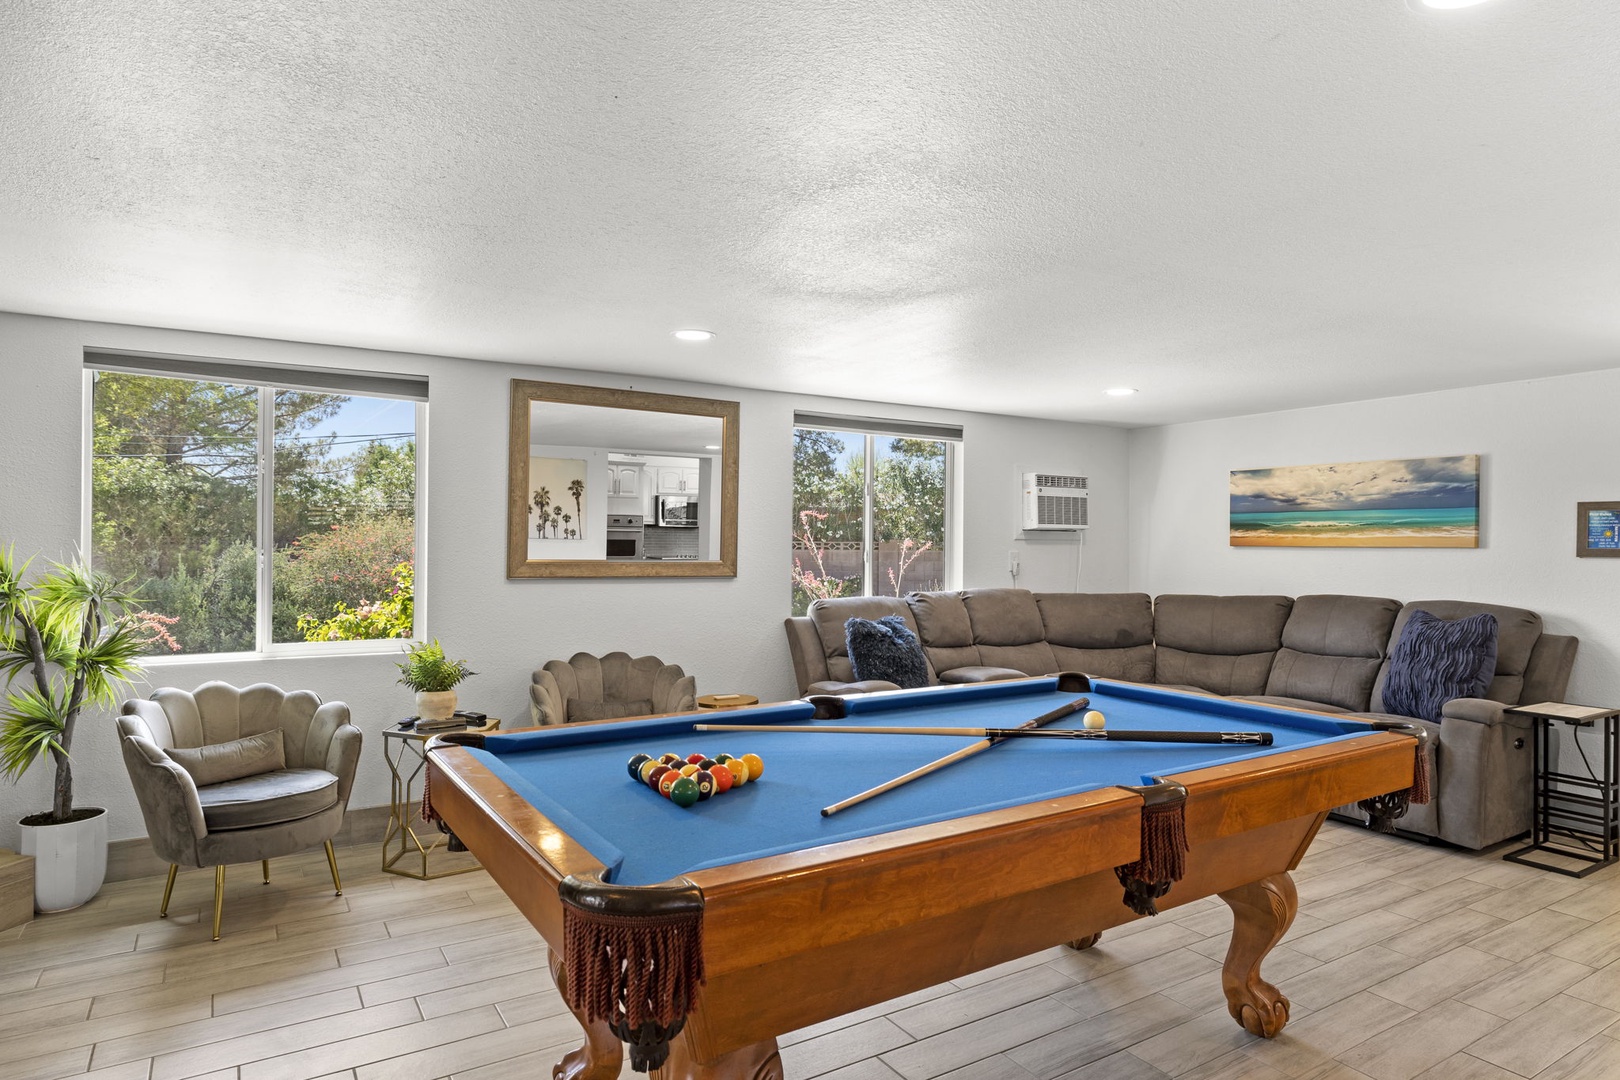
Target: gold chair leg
pixel 168 890
pixel 266 864
pixel 331 860
pixel 219 897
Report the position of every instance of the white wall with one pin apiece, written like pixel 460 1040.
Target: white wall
pixel 726 631
pixel 1545 445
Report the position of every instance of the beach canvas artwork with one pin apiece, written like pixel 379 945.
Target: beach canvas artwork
pixel 1413 502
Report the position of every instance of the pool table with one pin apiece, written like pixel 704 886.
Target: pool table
pixel 788 917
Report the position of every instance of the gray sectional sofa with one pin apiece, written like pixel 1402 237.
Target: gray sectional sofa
pixel 1327 653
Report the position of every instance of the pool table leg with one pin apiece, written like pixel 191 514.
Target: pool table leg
pixel 759 1061
pixel 1262 913
pixel 602 1054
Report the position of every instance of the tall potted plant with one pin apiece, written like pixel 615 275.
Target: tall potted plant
pixel 68 641
pixel 434 677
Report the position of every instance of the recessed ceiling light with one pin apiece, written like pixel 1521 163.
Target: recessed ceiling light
pixel 693 335
pixel 711 448
pixel 1121 391
pixel 1427 6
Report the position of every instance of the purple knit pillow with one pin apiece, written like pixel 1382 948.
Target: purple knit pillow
pixel 1436 660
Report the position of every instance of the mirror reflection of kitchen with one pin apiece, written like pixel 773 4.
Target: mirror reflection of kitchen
pixel 622 484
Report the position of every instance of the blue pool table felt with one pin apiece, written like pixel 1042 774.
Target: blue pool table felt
pixel 578 778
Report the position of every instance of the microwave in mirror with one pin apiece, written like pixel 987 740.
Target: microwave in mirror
pixel 678 511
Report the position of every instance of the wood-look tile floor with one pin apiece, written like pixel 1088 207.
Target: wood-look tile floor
pixel 1405 961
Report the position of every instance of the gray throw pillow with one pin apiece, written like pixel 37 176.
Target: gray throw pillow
pixel 886 649
pixel 1436 660
pixel 234 760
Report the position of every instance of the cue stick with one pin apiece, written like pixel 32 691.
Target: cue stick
pixel 951 759
pixel 1246 738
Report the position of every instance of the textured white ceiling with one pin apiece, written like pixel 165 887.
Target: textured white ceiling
pixel 1234 206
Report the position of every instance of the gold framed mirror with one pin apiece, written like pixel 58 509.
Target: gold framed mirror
pixel 620 483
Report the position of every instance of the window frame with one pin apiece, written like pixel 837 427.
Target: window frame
pixel 264 379
pixel 872 429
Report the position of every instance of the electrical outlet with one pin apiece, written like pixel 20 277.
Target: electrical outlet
pixel 1012 562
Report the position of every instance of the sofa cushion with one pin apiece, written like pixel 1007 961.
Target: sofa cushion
pixel 1332 649
pixel 980 675
pixel 1008 631
pixel 267 799
pixel 945 630
pixel 1003 617
pixel 609 709
pixel 886 649
pixel 1436 660
pixel 1105 634
pixel 829 617
pixel 942 619
pixel 1517 631
pixel 1220 643
pixel 215 763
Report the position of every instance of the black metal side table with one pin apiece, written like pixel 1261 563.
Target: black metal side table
pixel 1574 818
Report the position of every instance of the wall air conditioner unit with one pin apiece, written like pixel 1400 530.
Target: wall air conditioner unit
pixel 1054 503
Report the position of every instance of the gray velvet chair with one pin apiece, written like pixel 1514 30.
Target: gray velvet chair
pixel 586 687
pixel 226 775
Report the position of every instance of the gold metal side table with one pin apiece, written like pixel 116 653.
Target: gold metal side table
pixel 405 753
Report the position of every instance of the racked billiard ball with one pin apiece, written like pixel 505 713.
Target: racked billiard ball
pixel 685 791
pixel 724 779
pixel 756 766
pixel 693 759
pixel 705 783
pixel 707 763
pixel 655 774
pixel 635 765
pixel 670 759
pixel 648 767
pixel 688 769
pixel 738 769
pixel 667 782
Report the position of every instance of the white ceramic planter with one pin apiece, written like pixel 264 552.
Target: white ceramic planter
pixel 435 704
pixel 70 861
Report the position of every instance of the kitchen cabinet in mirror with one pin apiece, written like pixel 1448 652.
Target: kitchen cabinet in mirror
pixel 590 476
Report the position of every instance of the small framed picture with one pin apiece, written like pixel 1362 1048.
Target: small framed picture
pixel 1597 529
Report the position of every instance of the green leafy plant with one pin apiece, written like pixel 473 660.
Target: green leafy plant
pixel 76 634
pixel 391 617
pixel 427 670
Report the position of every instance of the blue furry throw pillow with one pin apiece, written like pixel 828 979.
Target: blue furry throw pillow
pixel 886 649
pixel 1436 660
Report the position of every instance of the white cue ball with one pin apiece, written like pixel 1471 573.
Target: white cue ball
pixel 1093 719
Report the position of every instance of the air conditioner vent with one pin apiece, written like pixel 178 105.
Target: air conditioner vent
pixel 1056 502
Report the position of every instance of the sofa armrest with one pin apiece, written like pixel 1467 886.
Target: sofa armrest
pixel 343 758
pixel 980 674
pixel 804 646
pixel 166 793
pixel 682 697
pixel 547 706
pixel 1481 711
pixel 833 686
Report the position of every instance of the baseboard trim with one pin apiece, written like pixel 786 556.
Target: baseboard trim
pixel 127 859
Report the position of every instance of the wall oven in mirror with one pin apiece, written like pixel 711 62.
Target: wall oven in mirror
pixel 678 511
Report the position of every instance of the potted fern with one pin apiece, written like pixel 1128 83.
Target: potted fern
pixel 433 676
pixel 68 641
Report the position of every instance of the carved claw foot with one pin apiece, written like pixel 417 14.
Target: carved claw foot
pixel 1262 912
pixel 602 1054
pixel 1262 1010
pixel 1081 943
